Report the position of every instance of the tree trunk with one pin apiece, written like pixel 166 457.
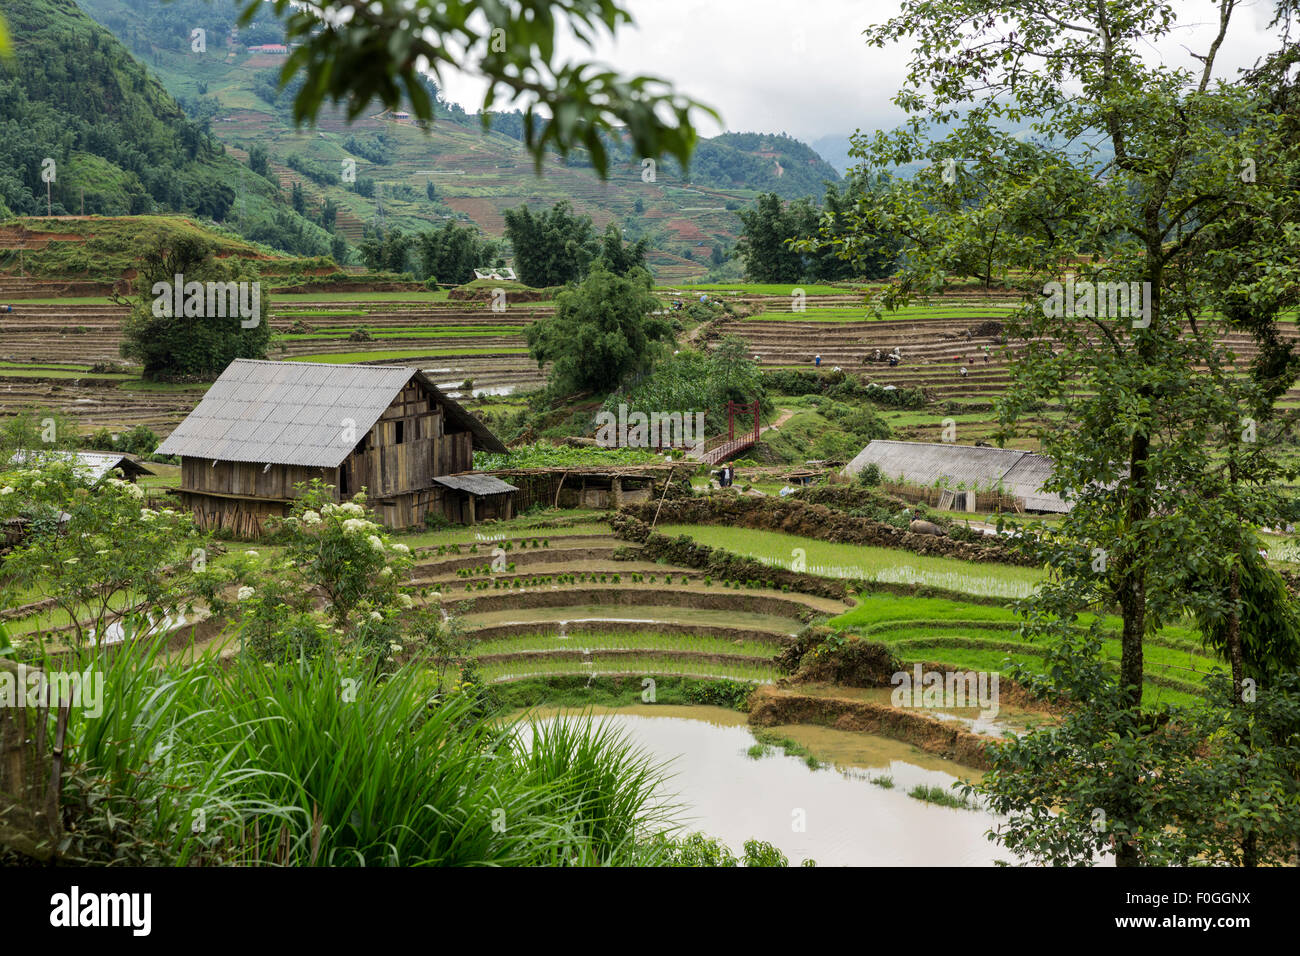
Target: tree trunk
pixel 1133 606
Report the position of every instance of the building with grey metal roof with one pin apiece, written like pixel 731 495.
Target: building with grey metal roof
pixel 265 428
pixel 300 413
pixel 1020 474
pixel 94 464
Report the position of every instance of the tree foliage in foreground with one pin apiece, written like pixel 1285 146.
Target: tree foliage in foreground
pixel 1174 195
pixel 382 49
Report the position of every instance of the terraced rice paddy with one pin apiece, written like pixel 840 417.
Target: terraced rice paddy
pixel 570 608
pixel 984 637
pixel 48 348
pixel 883 565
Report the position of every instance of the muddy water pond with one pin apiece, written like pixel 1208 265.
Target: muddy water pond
pixel 847 820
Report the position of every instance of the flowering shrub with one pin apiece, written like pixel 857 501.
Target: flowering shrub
pixel 336 551
pixel 344 554
pixel 115 568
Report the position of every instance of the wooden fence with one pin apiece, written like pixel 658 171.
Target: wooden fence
pixel 31 763
pixel 947 499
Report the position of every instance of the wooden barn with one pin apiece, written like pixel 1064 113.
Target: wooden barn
pixel 264 427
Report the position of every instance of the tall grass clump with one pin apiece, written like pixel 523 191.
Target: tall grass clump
pixel 323 763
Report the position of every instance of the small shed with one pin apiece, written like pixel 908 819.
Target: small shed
pixel 97 465
pixel 475 498
pixel 958 476
pixel 264 427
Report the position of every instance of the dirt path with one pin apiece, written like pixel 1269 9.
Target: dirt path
pixel 785 416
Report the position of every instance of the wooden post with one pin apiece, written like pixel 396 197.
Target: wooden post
pixel 30 777
pixel 667 481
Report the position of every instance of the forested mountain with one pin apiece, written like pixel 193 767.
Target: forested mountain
pixel 81 118
pixel 223 144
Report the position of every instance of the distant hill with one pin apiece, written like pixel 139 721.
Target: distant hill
pixel 835 150
pixel 412 179
pixel 79 110
pixel 107 249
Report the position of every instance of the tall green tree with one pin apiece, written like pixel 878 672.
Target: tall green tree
pixel 387 251
pixel 622 257
pixel 553 247
pixel 602 331
pixel 1151 211
pixel 209 331
pixel 451 253
pixel 797 241
pixel 764 245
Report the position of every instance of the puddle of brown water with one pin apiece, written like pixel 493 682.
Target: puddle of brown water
pixel 846 819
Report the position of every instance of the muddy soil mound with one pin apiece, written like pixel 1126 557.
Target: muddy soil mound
pixel 820 655
pixel 513 294
pixel 770 707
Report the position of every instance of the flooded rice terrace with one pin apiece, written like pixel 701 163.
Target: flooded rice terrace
pixel 847 820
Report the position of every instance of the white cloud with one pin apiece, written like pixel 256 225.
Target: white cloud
pixel 804 68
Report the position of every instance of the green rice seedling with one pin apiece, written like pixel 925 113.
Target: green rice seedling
pixel 936 794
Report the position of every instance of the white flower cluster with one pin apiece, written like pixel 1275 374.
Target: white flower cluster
pixel 357 526
pixel 134 490
pixel 244 593
pixel 310 518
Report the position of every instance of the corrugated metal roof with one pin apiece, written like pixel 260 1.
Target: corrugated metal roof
pixel 1018 473
pixel 300 413
pixel 97 464
pixel 476 484
pixel 1026 478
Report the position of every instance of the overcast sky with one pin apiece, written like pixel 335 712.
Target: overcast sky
pixel 802 66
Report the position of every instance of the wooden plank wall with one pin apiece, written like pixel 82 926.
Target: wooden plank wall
pixel 242 517
pixel 397 476
pixel 247 479
pixel 385 467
